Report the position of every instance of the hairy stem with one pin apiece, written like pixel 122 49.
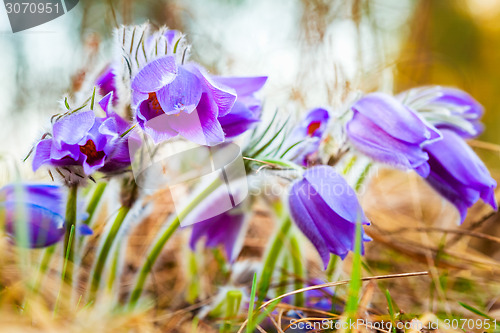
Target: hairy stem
pixel 272 258
pixel 159 244
pixel 69 242
pixel 105 249
pixel 298 270
pixel 94 201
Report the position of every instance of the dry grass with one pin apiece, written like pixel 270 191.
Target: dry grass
pixel 412 231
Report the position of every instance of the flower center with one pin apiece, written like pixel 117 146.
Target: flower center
pixel 313 127
pixel 91 152
pixel 153 103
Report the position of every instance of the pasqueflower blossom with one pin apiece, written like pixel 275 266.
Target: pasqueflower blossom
pixel 183 99
pixel 306 137
pixel 458 174
pixel 326 210
pixel 172 99
pixel 387 131
pixel 172 96
pixel 446 107
pixel 107 84
pixel 82 139
pixel 245 113
pixel 222 229
pixel 41 208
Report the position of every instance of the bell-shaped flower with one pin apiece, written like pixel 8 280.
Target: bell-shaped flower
pixel 107 83
pixel 172 96
pixel 38 209
pixel 387 131
pixel 326 210
pixel 223 229
pixel 457 173
pixel 173 99
pixel 446 107
pixel 226 229
pixel 305 139
pixel 82 139
pixel 245 113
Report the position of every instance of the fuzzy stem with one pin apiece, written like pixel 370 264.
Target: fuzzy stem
pixel 297 269
pixel 194 284
pixel 94 201
pixel 160 242
pixel 272 257
pixel 70 233
pixel 113 271
pixel 104 252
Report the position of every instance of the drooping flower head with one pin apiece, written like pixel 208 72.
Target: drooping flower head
pixel 222 229
pixel 326 210
pixel 39 208
pixel 387 131
pixel 177 99
pixel 457 173
pixel 107 84
pixel 446 107
pixel 227 228
pixel 306 138
pixel 172 96
pixel 245 113
pixel 85 140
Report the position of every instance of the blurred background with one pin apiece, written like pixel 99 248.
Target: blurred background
pixel 314 51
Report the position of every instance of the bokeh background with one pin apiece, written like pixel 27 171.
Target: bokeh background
pixel 313 51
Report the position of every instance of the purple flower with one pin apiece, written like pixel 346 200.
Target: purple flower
pixel 309 133
pixel 246 110
pixel 446 107
pixel 326 209
pixel 42 206
pixel 222 229
pixel 458 174
pixel 82 139
pixel 320 299
pixel 389 132
pixel 106 83
pixel 173 99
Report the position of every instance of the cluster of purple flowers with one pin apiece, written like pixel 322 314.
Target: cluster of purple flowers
pixel 170 97
pixel 409 132
pixel 82 139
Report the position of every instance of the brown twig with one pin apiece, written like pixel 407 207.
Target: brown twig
pixel 333 284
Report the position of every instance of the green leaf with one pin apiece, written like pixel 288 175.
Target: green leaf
pixel 351 307
pixel 476 311
pixel 260 318
pixel 390 304
pixel 66 103
pixel 92 100
pixel 268 143
pixel 252 303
